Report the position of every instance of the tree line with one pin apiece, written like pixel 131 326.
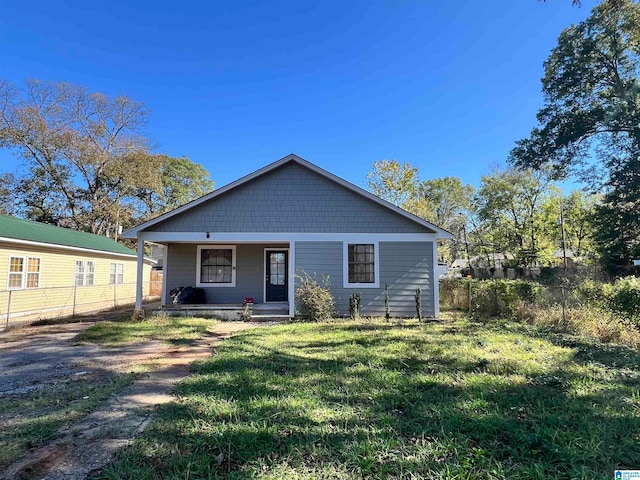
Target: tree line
pixel 519 212
pixel 86 163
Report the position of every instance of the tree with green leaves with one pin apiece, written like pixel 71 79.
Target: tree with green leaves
pixel 87 159
pixel 181 181
pixel 445 202
pixel 592 113
pixel 579 213
pixel 509 205
pixel 393 182
pixel 442 201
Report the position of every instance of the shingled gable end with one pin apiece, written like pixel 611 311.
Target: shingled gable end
pixel 251 237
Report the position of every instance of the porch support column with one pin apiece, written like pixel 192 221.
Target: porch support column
pixel 139 273
pixel 292 278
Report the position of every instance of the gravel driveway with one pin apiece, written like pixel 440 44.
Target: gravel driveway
pixel 31 358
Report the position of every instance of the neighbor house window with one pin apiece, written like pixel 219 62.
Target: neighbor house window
pixel 361 265
pixel 90 273
pixel 85 273
pixel 216 266
pixel 24 272
pixel 33 272
pixel 79 273
pixel 116 273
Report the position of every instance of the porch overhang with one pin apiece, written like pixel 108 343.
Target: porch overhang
pixel 271 242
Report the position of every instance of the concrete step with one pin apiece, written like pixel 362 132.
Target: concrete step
pixel 270 318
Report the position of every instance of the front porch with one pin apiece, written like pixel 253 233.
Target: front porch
pixel 227 273
pixel 260 312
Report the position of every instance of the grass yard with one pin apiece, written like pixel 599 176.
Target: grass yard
pixel 454 400
pixel 173 330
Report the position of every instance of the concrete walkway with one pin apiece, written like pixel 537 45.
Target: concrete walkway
pixel 29 362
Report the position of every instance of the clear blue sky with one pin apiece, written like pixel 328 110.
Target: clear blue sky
pixel 445 85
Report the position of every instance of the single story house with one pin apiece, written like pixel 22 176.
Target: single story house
pixel 253 237
pixel 54 272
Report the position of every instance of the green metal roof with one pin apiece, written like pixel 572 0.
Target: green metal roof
pixel 19 229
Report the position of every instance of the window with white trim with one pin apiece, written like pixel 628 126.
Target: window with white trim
pixel 361 265
pixel 24 272
pixel 79 273
pixel 116 273
pixel 85 273
pixel 90 273
pixel 216 266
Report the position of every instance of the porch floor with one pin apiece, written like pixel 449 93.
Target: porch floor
pixel 274 311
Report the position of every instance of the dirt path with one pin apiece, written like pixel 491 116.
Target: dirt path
pixel 76 450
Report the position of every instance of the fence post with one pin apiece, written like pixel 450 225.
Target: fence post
pixel 470 281
pixel 8 310
pixel 115 296
pixel 564 314
pixel 75 291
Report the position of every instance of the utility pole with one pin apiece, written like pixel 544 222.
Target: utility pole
pixel 564 260
pixel 466 245
pixel 564 244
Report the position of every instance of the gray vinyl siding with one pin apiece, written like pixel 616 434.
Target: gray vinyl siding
pixel 403 267
pixel 181 272
pixel 290 199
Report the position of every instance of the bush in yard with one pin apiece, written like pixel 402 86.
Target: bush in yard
pixel 313 299
pixel 495 298
pixel 603 325
pixel 354 306
pixel 454 293
pixel 621 297
pixel 625 298
pixel 595 294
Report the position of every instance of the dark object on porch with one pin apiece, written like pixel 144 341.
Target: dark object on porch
pixel 187 295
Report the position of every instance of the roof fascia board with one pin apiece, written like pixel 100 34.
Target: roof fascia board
pixel 31 243
pixel 283 237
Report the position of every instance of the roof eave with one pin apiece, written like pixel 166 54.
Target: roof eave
pixel 34 243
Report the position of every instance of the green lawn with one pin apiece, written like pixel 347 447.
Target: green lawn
pixel 453 400
pixel 173 330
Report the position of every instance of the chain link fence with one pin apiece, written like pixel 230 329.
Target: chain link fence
pixel 494 298
pixel 29 305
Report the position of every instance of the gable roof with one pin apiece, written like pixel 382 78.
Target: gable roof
pixel 292 158
pixel 16 230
